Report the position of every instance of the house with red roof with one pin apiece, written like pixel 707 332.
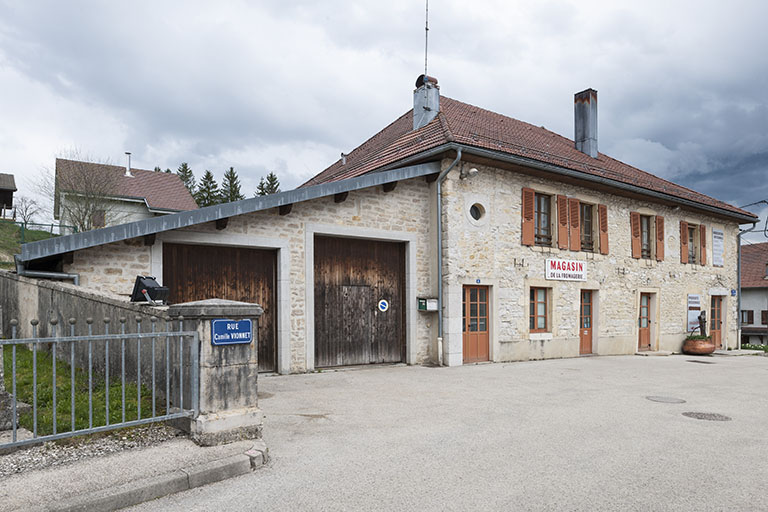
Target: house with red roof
pixel 91 195
pixel 455 235
pixel 754 293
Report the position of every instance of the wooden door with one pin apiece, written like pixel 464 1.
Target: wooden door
pixel 198 272
pixel 352 276
pixel 644 322
pixel 476 324
pixel 716 321
pixel 585 323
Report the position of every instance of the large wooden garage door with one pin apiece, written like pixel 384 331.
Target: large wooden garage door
pixel 351 277
pixel 197 272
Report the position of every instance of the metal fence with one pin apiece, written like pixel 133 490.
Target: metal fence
pixel 162 365
pixel 53 229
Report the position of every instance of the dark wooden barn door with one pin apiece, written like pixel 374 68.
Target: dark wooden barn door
pixel 197 272
pixel 352 277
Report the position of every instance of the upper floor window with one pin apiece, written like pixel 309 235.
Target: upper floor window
pixel 645 236
pixel 543 219
pixel 586 212
pixel 747 316
pixel 693 243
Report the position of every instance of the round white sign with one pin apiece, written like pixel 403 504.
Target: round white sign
pixel 383 305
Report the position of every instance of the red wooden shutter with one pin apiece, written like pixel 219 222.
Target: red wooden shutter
pixel 764 317
pixel 683 242
pixel 634 221
pixel 528 226
pixel 562 222
pixel 659 238
pixel 573 206
pixel 703 243
pixel 750 317
pixel 602 213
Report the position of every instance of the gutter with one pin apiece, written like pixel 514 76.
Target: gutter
pixel 20 270
pixel 738 271
pixel 440 179
pixel 562 171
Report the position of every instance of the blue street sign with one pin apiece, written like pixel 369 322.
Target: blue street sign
pixel 383 305
pixel 231 332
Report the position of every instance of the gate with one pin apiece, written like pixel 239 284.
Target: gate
pixel 165 381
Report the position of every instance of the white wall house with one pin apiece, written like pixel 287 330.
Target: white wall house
pixel 754 293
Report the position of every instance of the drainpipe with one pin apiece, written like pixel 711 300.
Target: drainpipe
pixel 738 297
pixel 440 179
pixel 20 270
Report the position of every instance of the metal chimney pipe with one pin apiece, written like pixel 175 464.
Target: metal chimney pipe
pixel 128 165
pixel 585 121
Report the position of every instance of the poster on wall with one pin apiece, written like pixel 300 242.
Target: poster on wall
pixel 718 247
pixel 694 309
pixel 565 270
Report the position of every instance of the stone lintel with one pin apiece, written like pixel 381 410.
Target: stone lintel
pixel 215 308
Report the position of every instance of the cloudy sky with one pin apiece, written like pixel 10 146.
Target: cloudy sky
pixel 286 86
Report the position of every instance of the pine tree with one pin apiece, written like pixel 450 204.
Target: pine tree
pixel 187 177
pixel 168 171
pixel 157 168
pixel 207 193
pixel 230 187
pixel 268 185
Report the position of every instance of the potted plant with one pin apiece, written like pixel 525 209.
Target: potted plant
pixel 699 344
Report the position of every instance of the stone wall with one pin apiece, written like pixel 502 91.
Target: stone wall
pixel 399 214
pixel 490 250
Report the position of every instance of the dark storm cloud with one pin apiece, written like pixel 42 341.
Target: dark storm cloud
pixel 286 86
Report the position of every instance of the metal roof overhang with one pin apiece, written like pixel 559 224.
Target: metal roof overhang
pixel 64 244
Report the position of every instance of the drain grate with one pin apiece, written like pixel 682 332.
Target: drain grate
pixel 700 362
pixel 665 399
pixel 709 416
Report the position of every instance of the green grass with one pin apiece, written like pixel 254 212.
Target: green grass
pixel 24 387
pixel 10 236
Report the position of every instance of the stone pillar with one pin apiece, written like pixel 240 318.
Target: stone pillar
pixel 228 405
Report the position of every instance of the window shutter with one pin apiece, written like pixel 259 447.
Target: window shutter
pixel 562 222
pixel 634 220
pixel 573 205
pixel 764 317
pixel 703 244
pixel 659 238
pixel 528 226
pixel 602 213
pixel 750 317
pixel 683 242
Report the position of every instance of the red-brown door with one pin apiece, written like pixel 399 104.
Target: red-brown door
pixel 475 330
pixel 716 321
pixel 585 323
pixel 644 322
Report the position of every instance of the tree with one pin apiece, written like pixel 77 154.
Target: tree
pixel 27 208
pixel 168 171
pixel 230 187
pixel 157 168
pixel 81 190
pixel 268 185
pixel 207 193
pixel 187 177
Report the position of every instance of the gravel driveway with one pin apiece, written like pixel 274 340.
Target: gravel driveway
pixel 569 434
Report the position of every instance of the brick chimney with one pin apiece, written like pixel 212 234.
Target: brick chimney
pixel 426 101
pixel 585 121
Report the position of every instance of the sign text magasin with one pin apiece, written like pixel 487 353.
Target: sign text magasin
pixel 565 270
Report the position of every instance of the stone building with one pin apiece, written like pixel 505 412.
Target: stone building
pixel 754 293
pixel 531 245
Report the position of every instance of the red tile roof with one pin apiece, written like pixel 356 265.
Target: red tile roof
pixel 473 126
pixel 754 258
pixel 162 191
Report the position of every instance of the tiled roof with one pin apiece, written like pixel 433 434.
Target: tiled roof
pixel 163 191
pixel 7 182
pixel 473 126
pixel 754 258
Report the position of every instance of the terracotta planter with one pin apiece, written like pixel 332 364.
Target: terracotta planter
pixel 698 347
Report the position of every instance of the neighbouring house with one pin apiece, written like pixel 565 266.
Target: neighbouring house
pixel 454 235
pixel 90 195
pixel 754 293
pixel 7 188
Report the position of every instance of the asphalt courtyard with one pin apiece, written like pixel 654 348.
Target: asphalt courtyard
pixel 568 434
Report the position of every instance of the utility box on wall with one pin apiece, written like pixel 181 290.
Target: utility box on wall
pixel 427 304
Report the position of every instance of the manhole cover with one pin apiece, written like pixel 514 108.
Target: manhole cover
pixel 665 399
pixel 710 416
pixel 700 362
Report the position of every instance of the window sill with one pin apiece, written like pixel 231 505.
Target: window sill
pixel 539 336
